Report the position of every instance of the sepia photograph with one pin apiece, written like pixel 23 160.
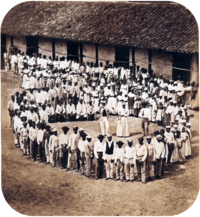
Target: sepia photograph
pixel 99 108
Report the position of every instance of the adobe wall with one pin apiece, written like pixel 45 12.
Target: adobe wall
pixel 20 43
pixel 106 52
pixel 60 48
pixel 45 47
pixel 89 50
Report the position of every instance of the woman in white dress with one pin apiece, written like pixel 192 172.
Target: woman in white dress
pixel 122 125
pixel 186 147
pixel 175 154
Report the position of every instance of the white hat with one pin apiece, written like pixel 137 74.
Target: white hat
pixel 54 130
pixel 158 136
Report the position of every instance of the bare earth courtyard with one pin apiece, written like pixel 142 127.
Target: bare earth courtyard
pixel 38 189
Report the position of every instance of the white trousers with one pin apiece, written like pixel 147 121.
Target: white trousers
pixel 129 169
pixel 104 124
pixel 109 168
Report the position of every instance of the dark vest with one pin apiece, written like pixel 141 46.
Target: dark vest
pixel 109 150
pixel 104 113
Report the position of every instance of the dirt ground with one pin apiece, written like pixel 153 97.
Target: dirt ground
pixel 37 189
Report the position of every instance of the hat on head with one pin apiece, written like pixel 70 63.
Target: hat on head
pixel 168 127
pixel 109 135
pixel 140 138
pixel 100 136
pixel 175 126
pixel 88 137
pixel 188 124
pixel 158 136
pixel 54 130
pixel 148 137
pixel 81 129
pixel 75 127
pixel 119 143
pixel 65 128
pixel 130 141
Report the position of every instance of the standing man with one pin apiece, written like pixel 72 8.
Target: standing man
pixel 108 156
pixel 159 155
pixel 41 142
pixel 130 159
pixel 98 153
pixel 119 161
pixel 6 60
pixel 72 149
pixel 89 154
pixel 11 110
pixel 145 115
pixel 104 124
pixel 63 143
pixel 46 143
pixel 33 131
pixel 150 159
pixel 54 148
pixel 141 156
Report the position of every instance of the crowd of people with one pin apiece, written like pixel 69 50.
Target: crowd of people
pixel 63 90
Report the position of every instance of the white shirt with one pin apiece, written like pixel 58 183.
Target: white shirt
pixel 98 147
pixel 63 139
pixel 40 135
pixel 119 154
pixel 130 152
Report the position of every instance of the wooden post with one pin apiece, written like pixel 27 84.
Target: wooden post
pixel 133 61
pixel 97 57
pixel 53 49
pixel 81 53
pixel 149 60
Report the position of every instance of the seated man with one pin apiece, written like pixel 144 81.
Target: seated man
pixel 60 112
pixel 90 111
pixel 81 111
pixel 51 113
pixel 70 111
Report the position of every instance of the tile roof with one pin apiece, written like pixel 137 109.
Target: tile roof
pixel 167 26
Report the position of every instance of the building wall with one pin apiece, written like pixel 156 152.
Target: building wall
pixel 141 57
pixel 60 47
pixel 8 43
pixel 194 73
pixel 20 43
pixel 162 63
pixel 106 53
pixel 89 50
pixel 46 45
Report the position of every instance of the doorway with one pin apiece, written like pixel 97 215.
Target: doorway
pixel 32 45
pixel 122 55
pixel 72 50
pixel 181 61
pixel 3 49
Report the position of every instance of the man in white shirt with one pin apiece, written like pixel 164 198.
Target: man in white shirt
pixel 159 155
pixel 108 156
pixel 72 149
pixel 41 142
pixel 51 113
pixel 150 159
pixel 145 115
pixel 54 148
pixel 119 161
pixel 129 158
pixel 141 156
pixel 63 147
pixel 43 114
pixel 98 153
pixel 70 111
pixel 33 131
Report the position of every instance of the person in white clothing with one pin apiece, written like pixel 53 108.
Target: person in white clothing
pixel 63 147
pixel 129 160
pixel 119 161
pixel 159 155
pixel 108 156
